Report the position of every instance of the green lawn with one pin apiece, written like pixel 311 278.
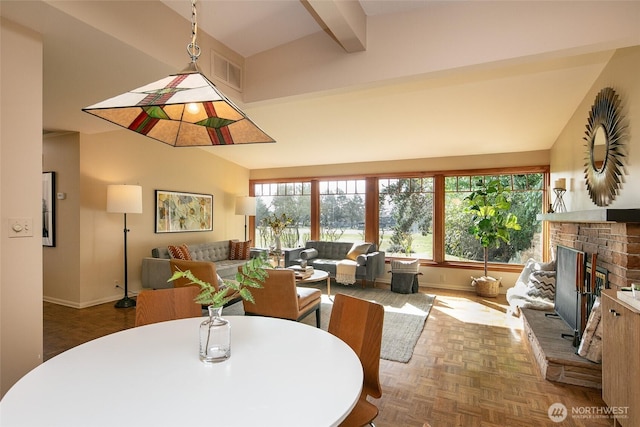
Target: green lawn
pixel 421 246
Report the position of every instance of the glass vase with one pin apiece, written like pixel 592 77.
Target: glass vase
pixel 277 242
pixel 215 337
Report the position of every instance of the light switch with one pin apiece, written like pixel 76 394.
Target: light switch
pixel 20 227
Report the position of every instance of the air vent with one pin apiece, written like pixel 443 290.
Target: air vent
pixel 227 71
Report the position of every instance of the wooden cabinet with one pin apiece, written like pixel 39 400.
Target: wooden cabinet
pixel 621 358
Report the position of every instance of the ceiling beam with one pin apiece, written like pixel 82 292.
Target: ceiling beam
pixel 344 20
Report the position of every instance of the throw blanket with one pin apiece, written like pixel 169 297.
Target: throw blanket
pixel 346 272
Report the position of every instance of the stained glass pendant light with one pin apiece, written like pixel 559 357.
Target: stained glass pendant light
pixel 184 109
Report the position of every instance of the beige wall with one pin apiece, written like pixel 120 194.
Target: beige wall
pixel 61 154
pixel 519 31
pixel 121 157
pixel 534 158
pixel 568 152
pixel 20 196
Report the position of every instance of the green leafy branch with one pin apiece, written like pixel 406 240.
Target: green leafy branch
pixel 277 223
pixel 252 276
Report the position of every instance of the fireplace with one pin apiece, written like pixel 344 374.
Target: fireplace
pixel 576 289
pixel 612 234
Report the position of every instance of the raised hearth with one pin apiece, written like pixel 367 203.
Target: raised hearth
pixel 556 355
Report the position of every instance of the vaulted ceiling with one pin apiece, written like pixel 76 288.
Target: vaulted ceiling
pixel 345 81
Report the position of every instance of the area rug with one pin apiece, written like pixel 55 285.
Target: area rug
pixel 404 316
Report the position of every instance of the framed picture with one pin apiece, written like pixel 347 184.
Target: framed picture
pixel 48 209
pixel 179 212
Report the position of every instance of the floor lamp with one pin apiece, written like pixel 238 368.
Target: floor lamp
pixel 124 199
pixel 245 205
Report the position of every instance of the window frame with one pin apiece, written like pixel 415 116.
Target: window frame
pixel 372 207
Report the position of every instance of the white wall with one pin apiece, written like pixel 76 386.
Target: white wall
pixel 20 196
pixel 568 152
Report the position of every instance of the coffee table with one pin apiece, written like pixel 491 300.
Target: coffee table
pixel 317 276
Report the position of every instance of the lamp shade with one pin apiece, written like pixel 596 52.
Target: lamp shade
pixel 124 198
pixel 182 110
pixel 245 205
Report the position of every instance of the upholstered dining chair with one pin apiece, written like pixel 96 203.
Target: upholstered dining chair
pixel 280 297
pixel 358 322
pixel 203 270
pixel 159 305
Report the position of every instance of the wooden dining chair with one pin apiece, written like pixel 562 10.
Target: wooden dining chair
pixel 159 305
pixel 280 297
pixel 358 322
pixel 203 270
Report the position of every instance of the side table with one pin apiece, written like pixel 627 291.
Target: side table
pixel 317 276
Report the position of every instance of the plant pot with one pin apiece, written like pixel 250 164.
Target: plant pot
pixel 486 286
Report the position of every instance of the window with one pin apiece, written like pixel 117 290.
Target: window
pixel 405 217
pixel 416 215
pixel 290 198
pixel 526 202
pixel 342 210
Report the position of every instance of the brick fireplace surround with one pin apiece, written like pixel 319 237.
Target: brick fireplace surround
pixel 613 234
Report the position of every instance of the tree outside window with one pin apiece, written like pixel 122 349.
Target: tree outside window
pixel 406 217
pixel 526 203
pixel 292 199
pixel 405 221
pixel 342 210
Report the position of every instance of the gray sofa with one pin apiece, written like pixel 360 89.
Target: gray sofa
pixel 156 269
pixel 326 255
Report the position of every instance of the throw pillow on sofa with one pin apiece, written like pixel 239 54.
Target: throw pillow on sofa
pixel 309 253
pixel 358 249
pixel 542 284
pixel 534 288
pixel 179 252
pixel 239 250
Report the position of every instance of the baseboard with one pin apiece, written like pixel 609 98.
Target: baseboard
pixel 75 304
pixel 453 287
pixel 384 284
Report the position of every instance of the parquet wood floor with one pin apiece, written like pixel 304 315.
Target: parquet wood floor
pixel 471 367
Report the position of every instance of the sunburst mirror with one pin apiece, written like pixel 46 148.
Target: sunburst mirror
pixel 605 137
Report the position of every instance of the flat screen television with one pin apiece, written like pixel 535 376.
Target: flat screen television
pixel 569 271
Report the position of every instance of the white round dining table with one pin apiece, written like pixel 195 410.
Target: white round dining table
pixel 281 373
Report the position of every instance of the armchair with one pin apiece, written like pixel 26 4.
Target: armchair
pixel 359 323
pixel 159 305
pixel 280 297
pixel 203 270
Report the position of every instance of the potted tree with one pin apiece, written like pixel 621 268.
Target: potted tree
pixel 490 204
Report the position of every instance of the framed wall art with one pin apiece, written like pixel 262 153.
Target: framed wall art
pixel 48 208
pixel 178 212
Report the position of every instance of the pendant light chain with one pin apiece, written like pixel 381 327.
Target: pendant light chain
pixel 192 48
